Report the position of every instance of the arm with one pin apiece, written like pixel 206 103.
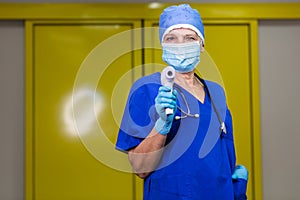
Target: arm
pixel 146 156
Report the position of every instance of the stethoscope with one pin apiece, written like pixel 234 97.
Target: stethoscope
pixel 188 113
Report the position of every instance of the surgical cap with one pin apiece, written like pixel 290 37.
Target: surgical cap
pixel 181 16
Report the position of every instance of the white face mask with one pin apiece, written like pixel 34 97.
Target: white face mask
pixel 184 57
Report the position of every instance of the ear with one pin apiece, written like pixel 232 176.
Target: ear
pixel 202 49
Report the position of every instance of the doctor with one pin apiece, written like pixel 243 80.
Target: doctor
pixel 188 154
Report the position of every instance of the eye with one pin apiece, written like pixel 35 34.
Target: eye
pixel 169 38
pixel 190 38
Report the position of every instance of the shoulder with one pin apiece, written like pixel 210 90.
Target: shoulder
pixel 215 89
pixel 152 78
pixel 146 82
pixel 217 95
pixel 213 85
pixel 145 87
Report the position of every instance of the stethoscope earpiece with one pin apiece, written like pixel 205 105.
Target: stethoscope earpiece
pixel 177 117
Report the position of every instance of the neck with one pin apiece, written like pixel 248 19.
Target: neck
pixel 185 78
pixel 190 83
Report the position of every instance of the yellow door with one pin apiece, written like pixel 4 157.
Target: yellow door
pixel 227 60
pixel 73 68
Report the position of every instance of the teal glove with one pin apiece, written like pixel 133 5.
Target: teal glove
pixel 240 180
pixel 240 172
pixel 165 99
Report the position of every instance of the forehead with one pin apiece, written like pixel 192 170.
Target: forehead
pixel 182 31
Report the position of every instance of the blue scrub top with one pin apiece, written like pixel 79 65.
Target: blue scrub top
pixel 198 158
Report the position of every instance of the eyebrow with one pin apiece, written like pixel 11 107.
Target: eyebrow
pixel 189 34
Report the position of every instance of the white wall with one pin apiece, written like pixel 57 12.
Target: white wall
pixel 11 110
pixel 279 47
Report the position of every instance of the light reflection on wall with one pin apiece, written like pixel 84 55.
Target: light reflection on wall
pixel 155 5
pixel 88 103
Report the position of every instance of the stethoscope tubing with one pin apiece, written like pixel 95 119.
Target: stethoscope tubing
pixel 188 112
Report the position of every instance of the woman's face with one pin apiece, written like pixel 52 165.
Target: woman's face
pixel 182 35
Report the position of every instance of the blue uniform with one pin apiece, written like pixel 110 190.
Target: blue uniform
pixel 198 158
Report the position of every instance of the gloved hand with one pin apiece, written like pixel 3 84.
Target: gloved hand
pixel 165 99
pixel 240 171
pixel 240 180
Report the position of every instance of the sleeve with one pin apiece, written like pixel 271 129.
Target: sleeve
pixel 240 188
pixel 230 140
pixel 139 116
pixel 218 96
pixel 239 185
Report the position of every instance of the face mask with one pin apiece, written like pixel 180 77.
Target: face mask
pixel 184 57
